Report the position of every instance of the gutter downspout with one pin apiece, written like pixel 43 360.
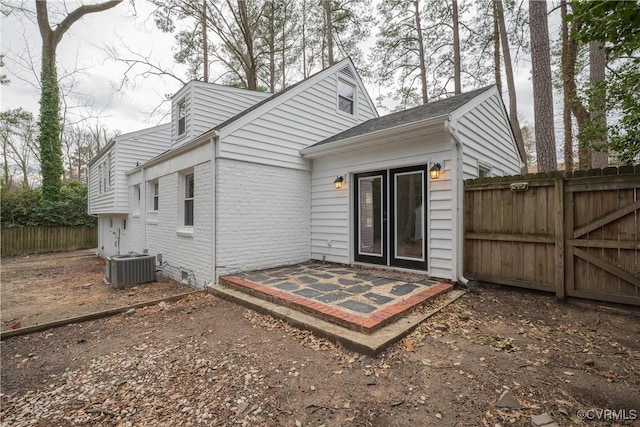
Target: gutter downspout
pixel 214 181
pixel 457 191
pixel 143 206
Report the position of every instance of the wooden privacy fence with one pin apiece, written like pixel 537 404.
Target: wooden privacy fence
pixel 575 234
pixel 26 240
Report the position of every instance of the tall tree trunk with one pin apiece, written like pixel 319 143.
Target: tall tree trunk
pixel 49 122
pixel 511 87
pixel 284 49
pixel 251 67
pixel 597 107
pixel 496 50
pixel 423 66
pixel 566 68
pixel 205 43
pixel 542 87
pixel 303 29
pixel 272 48
pixel 5 164
pixel 571 93
pixel 329 31
pixel 457 73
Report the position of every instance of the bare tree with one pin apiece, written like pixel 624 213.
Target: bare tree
pixel 329 30
pixel 457 62
pixel 511 87
pixel 542 87
pixel 597 103
pixel 566 69
pixel 18 133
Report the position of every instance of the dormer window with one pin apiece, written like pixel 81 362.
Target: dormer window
pixel 182 117
pixel 346 96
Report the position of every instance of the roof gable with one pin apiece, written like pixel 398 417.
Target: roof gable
pixel 432 110
pixel 267 104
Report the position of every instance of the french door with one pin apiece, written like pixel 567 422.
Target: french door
pixel 390 217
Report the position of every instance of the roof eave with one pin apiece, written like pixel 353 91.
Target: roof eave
pixel 361 141
pixel 177 151
pixel 103 151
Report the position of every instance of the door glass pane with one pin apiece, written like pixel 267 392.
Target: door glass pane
pixel 370 199
pixel 409 216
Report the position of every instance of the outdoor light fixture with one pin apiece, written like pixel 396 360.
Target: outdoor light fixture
pixel 434 172
pixel 339 182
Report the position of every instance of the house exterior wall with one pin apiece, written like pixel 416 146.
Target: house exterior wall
pixel 208 105
pixel 485 132
pixel 305 117
pixel 101 199
pixel 332 211
pixel 183 248
pixel 263 216
pixel 127 151
pixel 111 234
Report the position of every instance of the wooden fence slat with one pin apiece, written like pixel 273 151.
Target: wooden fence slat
pixel 606 219
pixel 558 201
pixel 500 237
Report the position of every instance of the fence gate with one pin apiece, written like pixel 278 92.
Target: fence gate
pixel 577 236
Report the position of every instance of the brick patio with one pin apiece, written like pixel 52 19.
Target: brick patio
pixel 362 300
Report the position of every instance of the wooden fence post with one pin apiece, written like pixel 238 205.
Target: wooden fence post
pixel 558 200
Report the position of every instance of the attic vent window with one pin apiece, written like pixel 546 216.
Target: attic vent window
pixel 346 96
pixel 182 117
pixel 348 72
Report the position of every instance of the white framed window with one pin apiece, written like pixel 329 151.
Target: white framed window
pixel 109 169
pixel 137 194
pixel 182 117
pixel 188 186
pixel 346 96
pixel 100 179
pixel 154 195
pixel 484 171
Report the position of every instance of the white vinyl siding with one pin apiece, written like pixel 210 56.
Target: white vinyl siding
pixel 101 196
pixel 206 105
pixel 124 154
pixel 277 136
pixel 484 130
pixel 331 209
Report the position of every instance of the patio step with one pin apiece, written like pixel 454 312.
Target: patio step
pixel 357 322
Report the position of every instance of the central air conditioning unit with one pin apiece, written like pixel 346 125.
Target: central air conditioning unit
pixel 130 269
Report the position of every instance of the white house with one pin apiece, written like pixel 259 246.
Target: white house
pixel 108 195
pixel 196 107
pixel 258 189
pixel 390 211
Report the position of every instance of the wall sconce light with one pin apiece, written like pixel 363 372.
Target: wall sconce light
pixel 339 182
pixel 434 172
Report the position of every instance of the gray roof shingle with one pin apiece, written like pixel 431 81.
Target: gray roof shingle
pixel 422 112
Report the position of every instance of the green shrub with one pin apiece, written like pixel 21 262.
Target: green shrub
pixel 26 207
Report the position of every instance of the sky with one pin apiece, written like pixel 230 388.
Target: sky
pixel 97 84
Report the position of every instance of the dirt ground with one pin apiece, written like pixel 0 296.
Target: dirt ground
pixel 205 361
pixel 37 289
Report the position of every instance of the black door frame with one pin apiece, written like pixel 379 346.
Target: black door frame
pixel 400 262
pixel 371 259
pixel 388 219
